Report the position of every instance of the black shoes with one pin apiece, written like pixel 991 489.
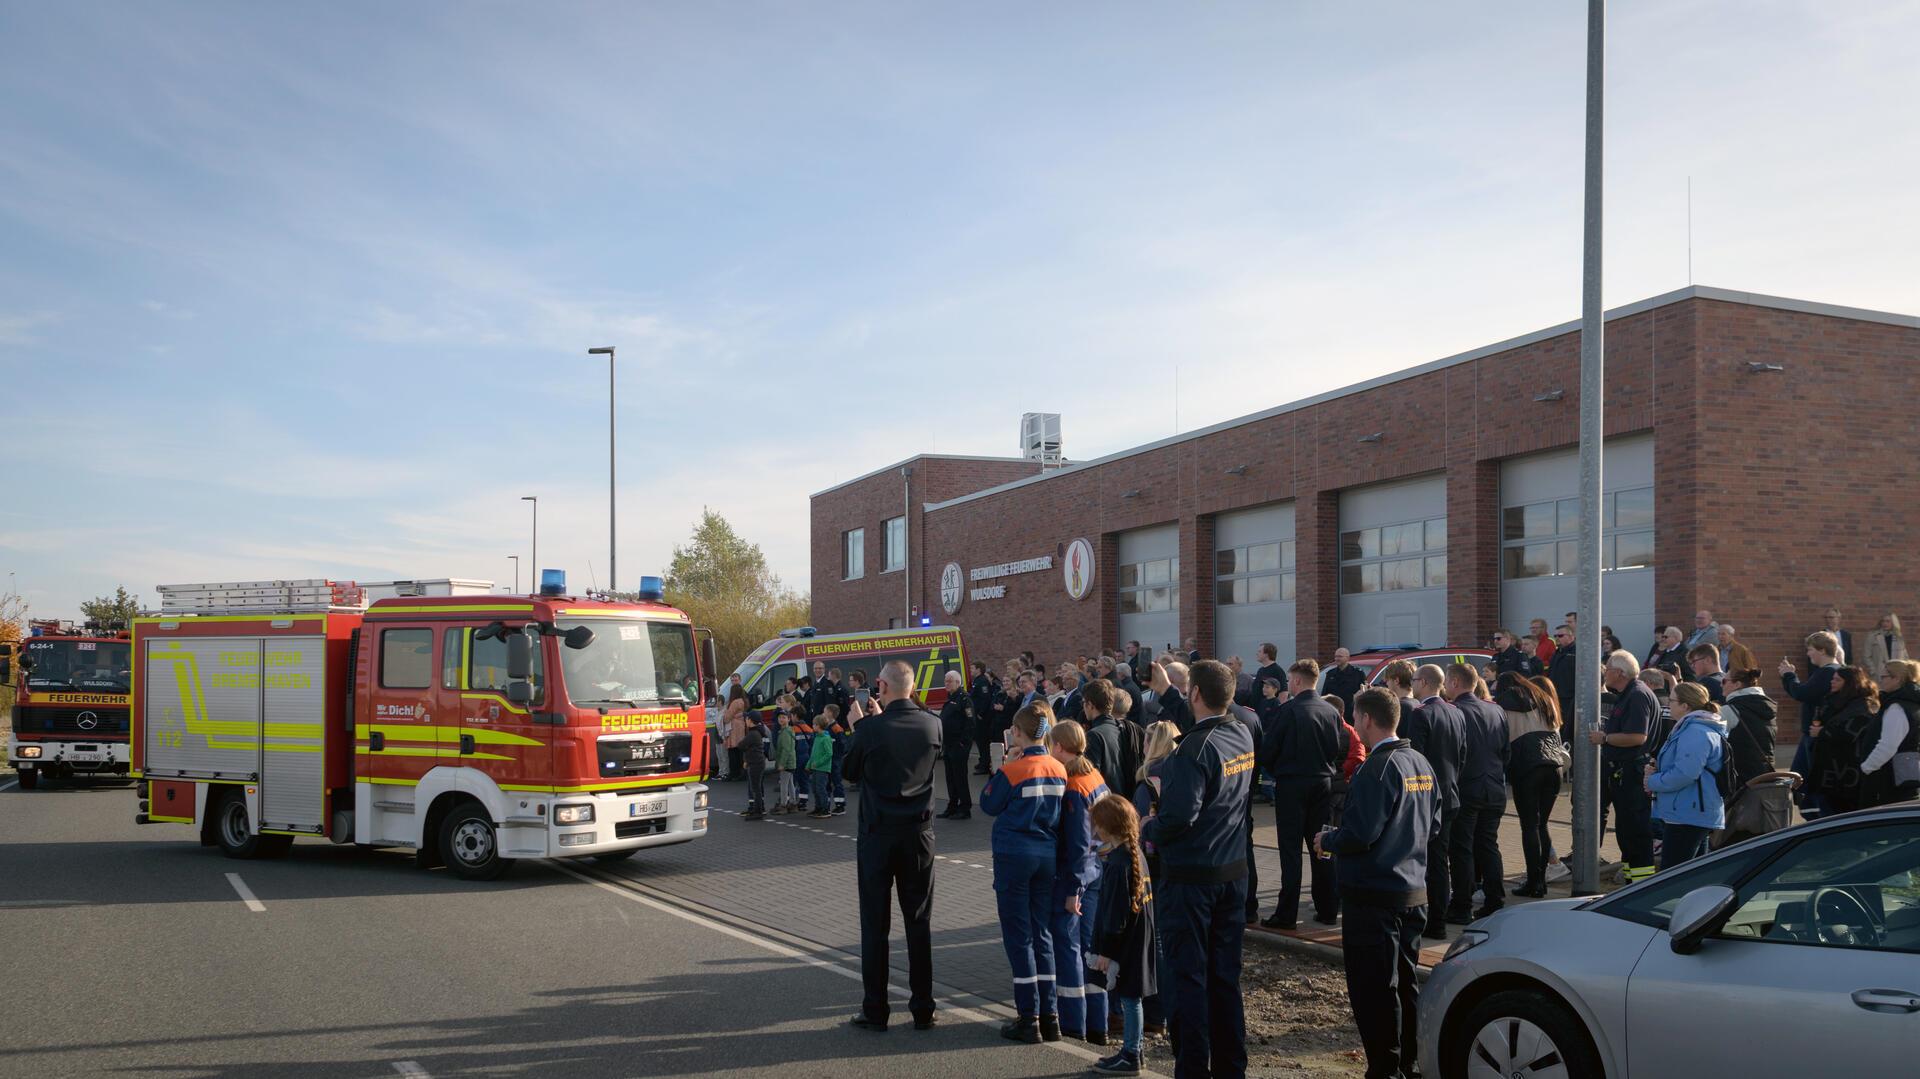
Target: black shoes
pixel 949 814
pixel 1274 922
pixel 1335 920
pixel 1531 891
pixel 1459 917
pixel 1121 1063
pixel 925 1022
pixel 1095 1036
pixel 1434 932
pixel 1024 1029
pixel 1486 910
pixel 1050 1028
pixel 965 814
pixel 860 1021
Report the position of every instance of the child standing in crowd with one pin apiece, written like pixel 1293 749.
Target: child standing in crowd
pixel 753 755
pixel 1162 737
pixel 1123 952
pixel 1076 870
pixel 820 761
pixel 784 758
pixel 837 787
pixel 1024 799
pixel 803 751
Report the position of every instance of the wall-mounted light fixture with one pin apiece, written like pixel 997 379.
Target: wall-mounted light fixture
pixel 1237 470
pixel 1756 367
pixel 1374 437
pixel 1550 395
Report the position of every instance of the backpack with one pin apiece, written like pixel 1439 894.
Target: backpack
pixel 1724 779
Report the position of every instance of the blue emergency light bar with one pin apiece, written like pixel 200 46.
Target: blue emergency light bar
pixel 652 589
pixel 553 582
pixel 926 620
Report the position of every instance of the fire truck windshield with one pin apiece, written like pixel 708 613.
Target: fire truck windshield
pixel 100 666
pixel 631 663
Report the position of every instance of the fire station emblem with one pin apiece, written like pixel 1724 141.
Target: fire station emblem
pixel 1078 567
pixel 952 588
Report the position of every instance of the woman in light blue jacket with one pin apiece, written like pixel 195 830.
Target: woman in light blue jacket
pixel 1684 779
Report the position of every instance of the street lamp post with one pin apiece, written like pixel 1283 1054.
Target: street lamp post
pixel 613 576
pixel 535 499
pixel 1588 660
pixel 516 573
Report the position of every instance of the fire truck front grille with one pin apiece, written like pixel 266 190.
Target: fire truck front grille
pixel 628 829
pixel 85 722
pixel 621 757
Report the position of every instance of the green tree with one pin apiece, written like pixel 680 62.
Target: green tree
pixel 13 626
pixel 722 581
pixel 117 609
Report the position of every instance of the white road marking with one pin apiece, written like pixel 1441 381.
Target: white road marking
pixel 247 896
pixel 411 1068
pixel 946 1007
pixel 9 785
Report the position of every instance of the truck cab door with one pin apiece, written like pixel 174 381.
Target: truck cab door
pixel 396 741
pixel 495 735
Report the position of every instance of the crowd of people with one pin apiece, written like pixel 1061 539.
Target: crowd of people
pixel 1123 788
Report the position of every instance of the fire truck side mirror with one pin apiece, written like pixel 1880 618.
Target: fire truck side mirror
pixel 579 637
pixel 519 657
pixel 6 669
pixel 710 658
pixel 520 692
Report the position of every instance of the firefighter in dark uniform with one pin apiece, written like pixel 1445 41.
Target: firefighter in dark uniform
pixel 892 758
pixel 956 733
pixel 1382 843
pixel 822 692
pixel 1200 831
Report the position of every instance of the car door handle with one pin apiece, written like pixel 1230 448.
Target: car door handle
pixel 376 741
pixel 466 743
pixel 1892 1000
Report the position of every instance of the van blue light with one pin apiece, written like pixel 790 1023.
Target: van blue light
pixel 652 589
pixel 553 582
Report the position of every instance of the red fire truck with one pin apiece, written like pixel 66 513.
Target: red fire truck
pixel 70 702
pixel 475 730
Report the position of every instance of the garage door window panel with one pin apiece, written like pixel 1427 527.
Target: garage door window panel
pixel 1375 559
pixel 1148 587
pixel 1540 539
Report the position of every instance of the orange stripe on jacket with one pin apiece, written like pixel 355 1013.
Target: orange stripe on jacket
pixel 1039 765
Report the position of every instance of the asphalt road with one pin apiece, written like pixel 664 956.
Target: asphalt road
pixel 134 951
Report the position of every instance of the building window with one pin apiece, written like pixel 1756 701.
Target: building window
pixel 853 549
pixel 1394 558
pixel 1260 573
pixel 1148 587
pixel 896 544
pixel 1541 539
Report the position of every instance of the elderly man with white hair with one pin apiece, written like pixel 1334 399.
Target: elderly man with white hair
pixel 1622 739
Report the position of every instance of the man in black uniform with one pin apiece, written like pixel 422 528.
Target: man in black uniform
pixel 988 720
pixel 1344 680
pixel 1475 850
pixel 1382 843
pixel 1622 739
pixel 1439 732
pixel 892 758
pixel 1560 673
pixel 956 732
pixel 1200 898
pixel 1303 752
pixel 823 692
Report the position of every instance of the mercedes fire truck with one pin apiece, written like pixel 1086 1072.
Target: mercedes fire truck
pixel 472 729
pixel 70 688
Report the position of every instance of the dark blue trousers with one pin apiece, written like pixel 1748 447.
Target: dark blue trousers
pixel 1022 885
pixel 1201 926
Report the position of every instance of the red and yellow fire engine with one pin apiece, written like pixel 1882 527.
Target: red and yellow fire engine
pixel 475 730
pixel 70 702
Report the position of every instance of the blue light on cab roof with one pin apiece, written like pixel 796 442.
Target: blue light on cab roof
pixel 553 582
pixel 652 589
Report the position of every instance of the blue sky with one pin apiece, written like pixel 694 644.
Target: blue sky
pixel 305 291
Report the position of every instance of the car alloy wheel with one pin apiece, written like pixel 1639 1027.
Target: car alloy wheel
pixel 1513 1048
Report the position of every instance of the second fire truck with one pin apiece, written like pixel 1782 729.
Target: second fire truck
pixel 70 688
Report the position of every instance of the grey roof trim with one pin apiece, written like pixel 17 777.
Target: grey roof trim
pixel 909 460
pixel 1701 292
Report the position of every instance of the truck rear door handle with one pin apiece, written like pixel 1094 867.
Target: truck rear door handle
pixel 466 743
pixel 376 741
pixel 1887 1000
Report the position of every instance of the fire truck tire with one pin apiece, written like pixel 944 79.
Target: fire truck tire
pixel 29 779
pixel 470 844
pixel 232 832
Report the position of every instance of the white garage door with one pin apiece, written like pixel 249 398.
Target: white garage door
pixel 1149 587
pixel 1254 582
pixel 1393 565
pixel 1540 522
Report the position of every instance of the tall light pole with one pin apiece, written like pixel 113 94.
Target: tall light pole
pixel 613 577
pixel 535 499
pixel 1587 661
pixel 516 573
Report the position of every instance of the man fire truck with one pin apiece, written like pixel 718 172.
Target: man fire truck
pixel 475 730
pixel 70 702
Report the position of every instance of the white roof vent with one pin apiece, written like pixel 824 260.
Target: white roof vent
pixel 1040 438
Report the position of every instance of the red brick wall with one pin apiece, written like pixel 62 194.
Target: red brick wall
pixel 1757 518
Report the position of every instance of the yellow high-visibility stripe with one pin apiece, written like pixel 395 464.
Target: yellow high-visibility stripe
pixel 197 619
pixel 454 608
pixel 612 784
pixel 430 751
pixel 405 733
pixel 656 616
pixel 504 703
pixel 169 820
pixel 389 782
pixel 282 747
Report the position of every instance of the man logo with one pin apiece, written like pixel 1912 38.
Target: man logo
pixel 1078 567
pixel 87 721
pixel 952 588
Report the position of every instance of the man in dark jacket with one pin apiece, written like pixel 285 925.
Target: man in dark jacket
pixel 1303 752
pixel 956 737
pixel 1560 673
pixel 1843 638
pixel 1622 739
pixel 1509 656
pixel 1475 854
pixel 893 759
pixel 823 692
pixel 1344 680
pixel 1170 700
pixel 1382 845
pixel 1200 897
pixel 1270 665
pixel 1103 736
pixel 1439 732
pixel 1823 659
pixel 988 723
pixel 1752 738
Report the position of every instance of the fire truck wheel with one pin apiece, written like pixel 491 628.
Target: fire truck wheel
pixel 29 779
pixel 616 855
pixel 230 828
pixel 471 845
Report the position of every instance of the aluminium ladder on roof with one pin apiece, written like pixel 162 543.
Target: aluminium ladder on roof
pixel 314 594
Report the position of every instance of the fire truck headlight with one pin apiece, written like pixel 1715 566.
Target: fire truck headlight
pixel 575 814
pixel 29 752
pixel 700 801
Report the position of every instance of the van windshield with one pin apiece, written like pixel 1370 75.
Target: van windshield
pixel 631 663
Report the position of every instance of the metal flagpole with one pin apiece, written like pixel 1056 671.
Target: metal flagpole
pixel 1587 660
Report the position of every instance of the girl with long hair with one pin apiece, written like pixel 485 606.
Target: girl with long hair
pixel 1123 953
pixel 1846 719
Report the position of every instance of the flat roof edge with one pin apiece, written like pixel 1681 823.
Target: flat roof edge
pixel 1690 292
pixel 904 461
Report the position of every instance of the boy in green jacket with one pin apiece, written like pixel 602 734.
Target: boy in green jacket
pixel 783 759
pixel 820 763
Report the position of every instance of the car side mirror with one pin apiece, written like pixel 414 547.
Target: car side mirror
pixel 756 699
pixel 1698 914
pixel 579 637
pixel 519 657
pixel 520 692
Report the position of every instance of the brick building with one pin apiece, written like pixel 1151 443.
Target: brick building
pixel 1759 462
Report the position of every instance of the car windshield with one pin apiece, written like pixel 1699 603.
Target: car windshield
pixel 631 662
pixel 100 666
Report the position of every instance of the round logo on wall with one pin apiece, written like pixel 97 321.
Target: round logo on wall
pixel 1078 567
pixel 952 588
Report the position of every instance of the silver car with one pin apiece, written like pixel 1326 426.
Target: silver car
pixel 1794 954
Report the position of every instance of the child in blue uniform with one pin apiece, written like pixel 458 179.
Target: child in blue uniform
pixel 1076 872
pixel 1024 799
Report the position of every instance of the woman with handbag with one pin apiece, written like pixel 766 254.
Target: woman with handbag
pixel 1891 771
pixel 1842 737
pixel 1535 758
